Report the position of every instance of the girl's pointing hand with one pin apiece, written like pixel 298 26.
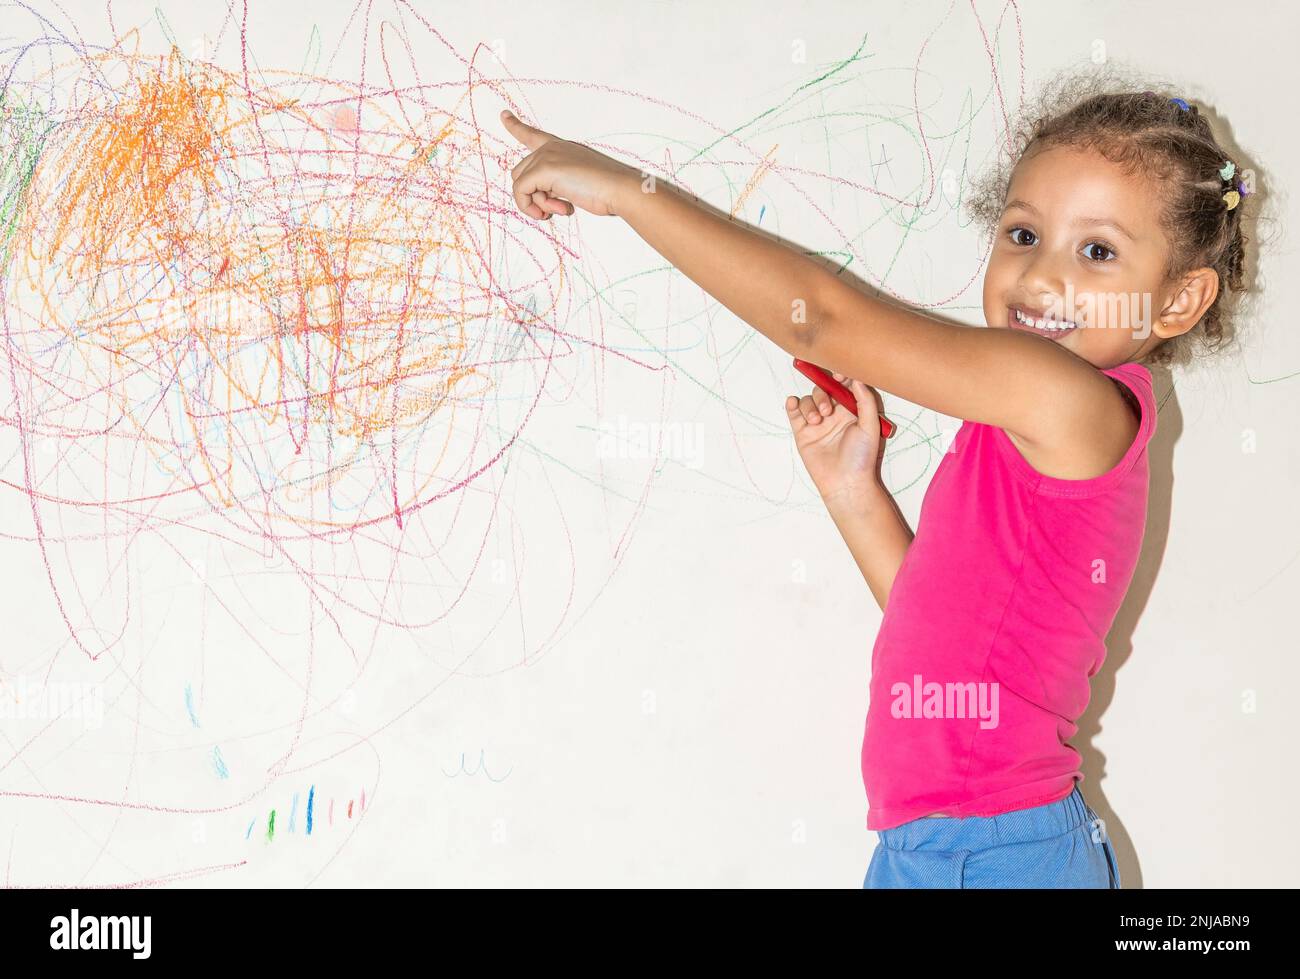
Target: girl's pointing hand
pixel 559 175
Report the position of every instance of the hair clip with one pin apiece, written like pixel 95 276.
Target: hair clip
pixel 1181 103
pixel 1233 197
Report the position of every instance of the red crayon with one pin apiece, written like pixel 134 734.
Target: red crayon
pixel 838 391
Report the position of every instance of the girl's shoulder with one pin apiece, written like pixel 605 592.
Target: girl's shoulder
pixel 1096 448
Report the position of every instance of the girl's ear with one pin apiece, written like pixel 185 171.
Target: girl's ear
pixel 1192 297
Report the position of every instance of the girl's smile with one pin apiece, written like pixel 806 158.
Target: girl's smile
pixel 1041 321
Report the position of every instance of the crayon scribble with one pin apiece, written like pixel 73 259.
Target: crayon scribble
pixel 296 408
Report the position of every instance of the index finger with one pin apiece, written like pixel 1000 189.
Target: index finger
pixel 520 130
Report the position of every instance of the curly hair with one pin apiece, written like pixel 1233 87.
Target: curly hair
pixel 1146 132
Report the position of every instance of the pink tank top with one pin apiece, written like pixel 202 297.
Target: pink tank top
pixel 995 623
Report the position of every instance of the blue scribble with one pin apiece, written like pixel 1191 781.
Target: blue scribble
pixel 189 705
pixel 219 764
pixel 482 766
pixel 293 813
pixel 311 797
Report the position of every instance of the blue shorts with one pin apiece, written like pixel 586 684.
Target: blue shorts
pixel 1060 844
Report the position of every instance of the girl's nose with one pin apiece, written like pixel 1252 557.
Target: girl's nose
pixel 1043 274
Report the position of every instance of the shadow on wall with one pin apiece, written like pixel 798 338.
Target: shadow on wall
pixel 1119 643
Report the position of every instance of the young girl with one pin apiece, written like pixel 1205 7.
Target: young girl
pixel 1118 234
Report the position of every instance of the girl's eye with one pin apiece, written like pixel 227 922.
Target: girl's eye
pixel 1025 237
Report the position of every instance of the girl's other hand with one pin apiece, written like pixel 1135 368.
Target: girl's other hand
pixel 841 451
pixel 558 175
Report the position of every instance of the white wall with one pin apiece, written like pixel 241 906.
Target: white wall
pixel 657 672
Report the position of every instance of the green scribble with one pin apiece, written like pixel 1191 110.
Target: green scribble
pixel 23 131
pixel 166 27
pixel 834 70
pixel 313 52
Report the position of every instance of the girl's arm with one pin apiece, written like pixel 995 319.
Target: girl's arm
pixel 1024 384
pixel 1027 385
pixel 877 535
pixel 841 449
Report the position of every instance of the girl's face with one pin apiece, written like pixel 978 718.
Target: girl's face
pixel 1079 259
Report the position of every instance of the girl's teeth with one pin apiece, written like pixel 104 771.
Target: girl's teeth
pixel 1046 323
